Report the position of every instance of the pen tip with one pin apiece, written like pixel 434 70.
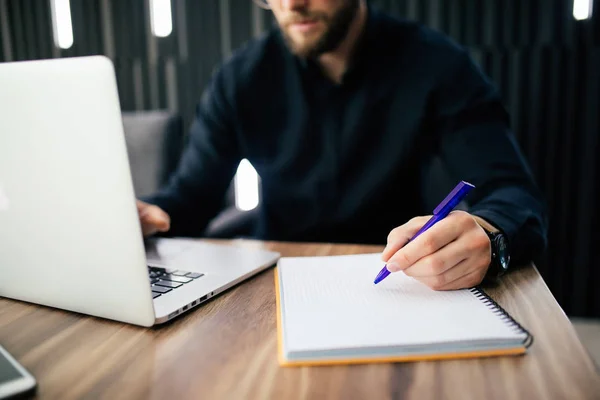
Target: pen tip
pixel 382 275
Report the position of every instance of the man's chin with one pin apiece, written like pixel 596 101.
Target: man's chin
pixel 303 43
pixel 304 47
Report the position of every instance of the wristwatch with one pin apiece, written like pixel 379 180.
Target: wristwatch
pixel 500 254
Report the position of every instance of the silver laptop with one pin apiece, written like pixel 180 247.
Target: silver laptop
pixel 70 237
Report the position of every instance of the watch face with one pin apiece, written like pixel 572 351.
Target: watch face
pixel 502 249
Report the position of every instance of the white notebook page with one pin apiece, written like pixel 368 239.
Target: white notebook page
pixel 332 303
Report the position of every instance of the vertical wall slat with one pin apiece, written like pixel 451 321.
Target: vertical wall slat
pixel 6 42
pixel 43 21
pixel 18 36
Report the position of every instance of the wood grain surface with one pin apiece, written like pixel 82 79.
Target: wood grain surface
pixel 226 349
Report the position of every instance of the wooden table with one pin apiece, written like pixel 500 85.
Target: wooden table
pixel 227 349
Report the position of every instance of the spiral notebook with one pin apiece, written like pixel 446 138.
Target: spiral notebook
pixel 330 312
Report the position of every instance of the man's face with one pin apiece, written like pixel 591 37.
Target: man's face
pixel 314 27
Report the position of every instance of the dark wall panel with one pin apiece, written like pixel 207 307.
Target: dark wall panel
pixel 544 62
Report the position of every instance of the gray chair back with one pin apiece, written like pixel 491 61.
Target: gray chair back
pixel 155 142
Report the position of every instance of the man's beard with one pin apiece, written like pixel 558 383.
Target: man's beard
pixel 336 30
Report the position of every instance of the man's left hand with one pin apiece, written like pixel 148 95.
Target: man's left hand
pixel 453 254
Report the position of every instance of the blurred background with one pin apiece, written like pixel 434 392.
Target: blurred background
pixel 544 56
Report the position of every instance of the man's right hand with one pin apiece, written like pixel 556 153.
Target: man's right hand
pixel 152 218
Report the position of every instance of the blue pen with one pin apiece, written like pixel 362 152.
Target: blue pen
pixel 440 212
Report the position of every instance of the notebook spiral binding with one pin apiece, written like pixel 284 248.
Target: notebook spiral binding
pixel 501 312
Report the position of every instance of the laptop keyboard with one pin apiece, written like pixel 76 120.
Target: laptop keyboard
pixel 163 280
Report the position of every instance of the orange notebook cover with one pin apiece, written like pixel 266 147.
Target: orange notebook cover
pixel 329 312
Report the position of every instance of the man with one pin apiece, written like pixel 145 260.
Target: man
pixel 341 111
